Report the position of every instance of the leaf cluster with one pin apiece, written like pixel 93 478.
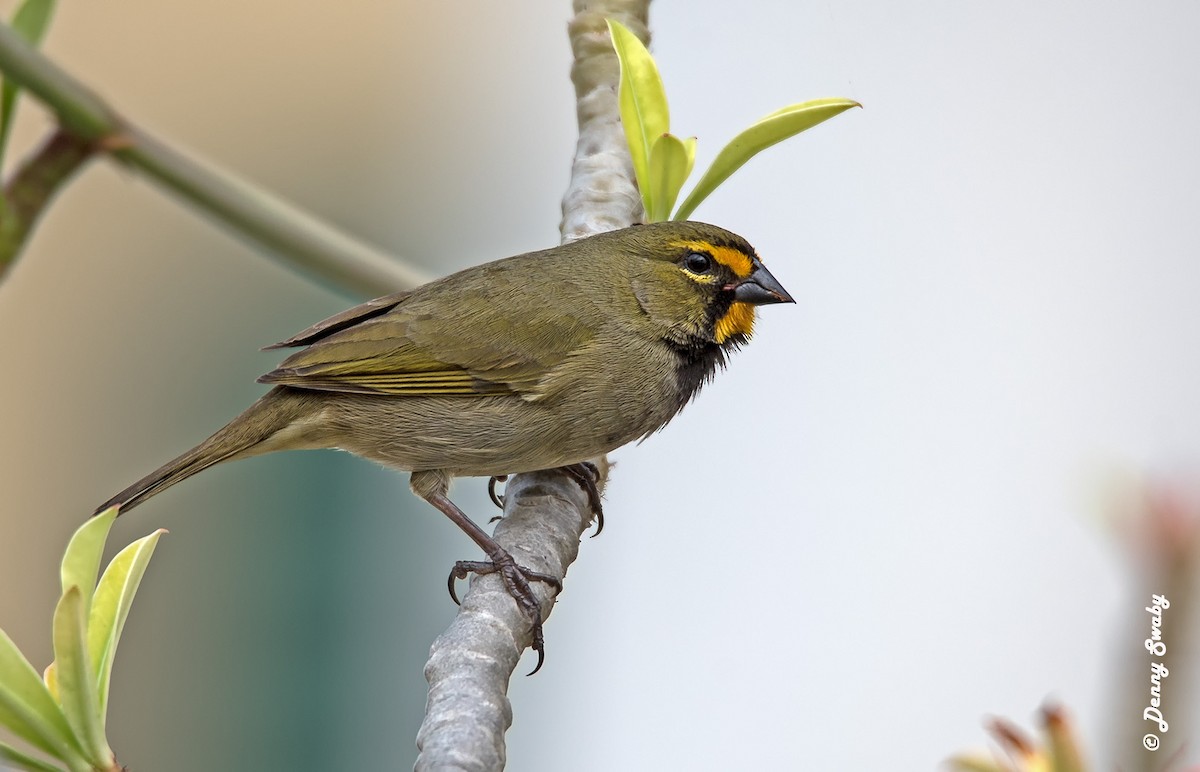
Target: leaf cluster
pixel 662 161
pixel 62 713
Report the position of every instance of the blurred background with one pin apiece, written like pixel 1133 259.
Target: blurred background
pixel 975 446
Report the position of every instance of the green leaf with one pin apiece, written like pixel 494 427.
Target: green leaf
pixel 28 710
pixel 81 561
pixel 30 22
pixel 772 128
pixel 110 608
pixel 11 755
pixel 76 681
pixel 643 103
pixel 32 19
pixel 50 678
pixel 671 161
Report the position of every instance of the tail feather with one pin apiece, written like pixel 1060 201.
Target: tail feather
pixel 247 435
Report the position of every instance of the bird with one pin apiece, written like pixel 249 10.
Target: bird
pixel 538 361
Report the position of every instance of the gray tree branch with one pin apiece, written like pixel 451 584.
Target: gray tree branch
pixel 545 513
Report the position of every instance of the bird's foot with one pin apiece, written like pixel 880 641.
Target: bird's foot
pixel 516 580
pixel 588 476
pixel 584 473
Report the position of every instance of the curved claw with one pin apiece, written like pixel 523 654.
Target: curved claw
pixel 497 499
pixel 538 644
pixel 461 570
pixel 587 476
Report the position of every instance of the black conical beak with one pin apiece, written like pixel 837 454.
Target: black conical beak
pixel 760 288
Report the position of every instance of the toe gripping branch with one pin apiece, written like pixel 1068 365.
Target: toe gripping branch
pixel 584 473
pixel 517 578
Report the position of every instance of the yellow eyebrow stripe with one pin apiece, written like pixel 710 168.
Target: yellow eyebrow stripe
pixel 737 260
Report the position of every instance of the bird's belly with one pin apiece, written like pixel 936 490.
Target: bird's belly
pixel 494 435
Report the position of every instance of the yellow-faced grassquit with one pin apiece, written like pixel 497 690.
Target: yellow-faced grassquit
pixel 534 362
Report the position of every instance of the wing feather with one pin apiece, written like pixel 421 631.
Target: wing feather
pixel 341 321
pixel 453 337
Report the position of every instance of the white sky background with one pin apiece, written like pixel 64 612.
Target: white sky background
pixel 878 526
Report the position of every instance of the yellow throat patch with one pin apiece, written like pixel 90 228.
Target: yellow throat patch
pixel 738 320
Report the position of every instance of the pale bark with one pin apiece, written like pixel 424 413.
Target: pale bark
pixel 545 513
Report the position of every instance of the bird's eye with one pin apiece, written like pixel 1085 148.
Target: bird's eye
pixel 698 262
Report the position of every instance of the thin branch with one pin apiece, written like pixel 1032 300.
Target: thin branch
pixel 603 194
pixel 545 513
pixel 33 186
pixel 291 235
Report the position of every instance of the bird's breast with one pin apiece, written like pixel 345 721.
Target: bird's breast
pixel 614 392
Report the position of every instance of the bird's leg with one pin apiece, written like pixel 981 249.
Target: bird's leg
pixel 516 578
pixel 587 475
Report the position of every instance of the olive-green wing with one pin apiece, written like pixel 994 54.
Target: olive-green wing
pixel 341 321
pixel 439 341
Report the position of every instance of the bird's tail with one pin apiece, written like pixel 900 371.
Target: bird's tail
pixel 260 429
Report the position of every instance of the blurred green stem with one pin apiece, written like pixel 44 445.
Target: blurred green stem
pixel 31 188
pixel 291 235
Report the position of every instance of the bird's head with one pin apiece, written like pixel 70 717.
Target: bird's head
pixel 702 282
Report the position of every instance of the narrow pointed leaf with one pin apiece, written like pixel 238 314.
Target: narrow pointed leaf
pixel 12 756
pixel 671 160
pixel 22 721
pixel 26 707
pixel 81 561
pixel 110 608
pixel 771 129
pixel 689 145
pixel 643 103
pixel 76 684
pixel 30 22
